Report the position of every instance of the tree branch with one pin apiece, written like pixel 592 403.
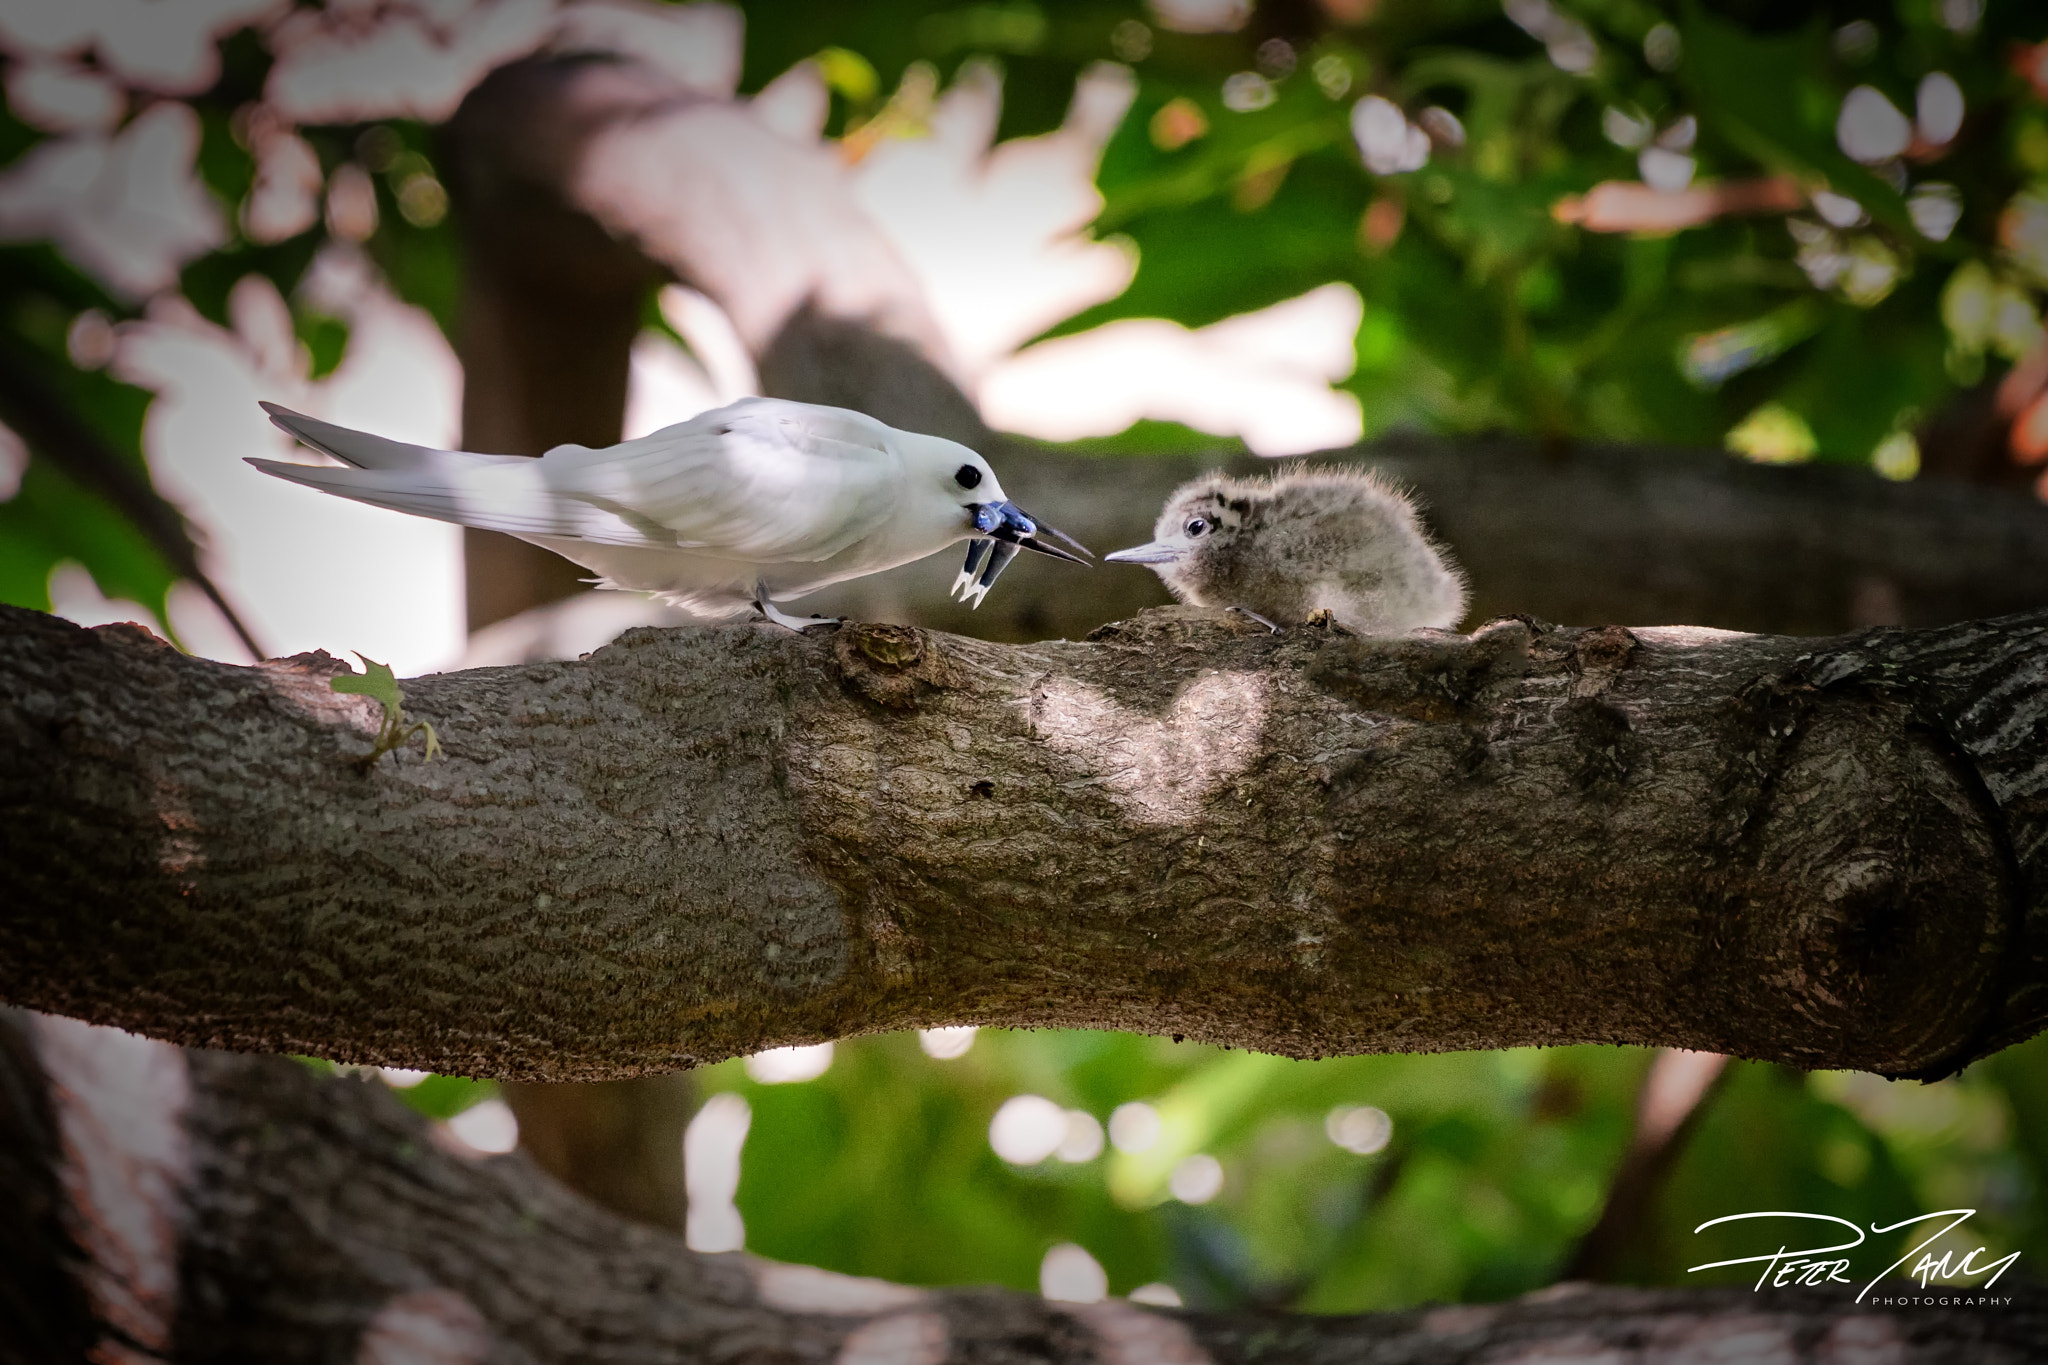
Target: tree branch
pixel 1675 1094
pixel 1609 533
pixel 289 1218
pixel 699 843
pixel 56 433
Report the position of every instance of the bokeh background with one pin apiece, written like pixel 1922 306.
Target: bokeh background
pixel 1093 234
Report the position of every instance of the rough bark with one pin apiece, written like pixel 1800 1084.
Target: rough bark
pixel 317 1220
pixel 702 842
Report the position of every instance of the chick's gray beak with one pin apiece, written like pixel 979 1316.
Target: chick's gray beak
pixel 1157 552
pixel 1007 528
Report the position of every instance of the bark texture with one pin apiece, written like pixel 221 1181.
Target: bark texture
pixel 702 842
pixel 317 1220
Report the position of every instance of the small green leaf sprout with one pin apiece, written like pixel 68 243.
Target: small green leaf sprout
pixel 377 682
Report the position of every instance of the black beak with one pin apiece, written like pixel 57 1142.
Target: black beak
pixel 1007 528
pixel 1008 522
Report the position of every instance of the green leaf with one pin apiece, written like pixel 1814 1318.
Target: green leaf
pixel 377 682
pixel 50 520
pixel 1773 99
pixel 443 1097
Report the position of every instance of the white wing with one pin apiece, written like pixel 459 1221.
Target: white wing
pixel 762 479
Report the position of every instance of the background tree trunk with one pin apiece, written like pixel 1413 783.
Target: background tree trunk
pixel 1587 535
pixel 1674 1096
pixel 618 1142
pixel 551 301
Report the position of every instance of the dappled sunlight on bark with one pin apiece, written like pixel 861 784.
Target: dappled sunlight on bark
pixel 1159 771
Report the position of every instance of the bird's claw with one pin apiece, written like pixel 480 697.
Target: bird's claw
pixel 772 613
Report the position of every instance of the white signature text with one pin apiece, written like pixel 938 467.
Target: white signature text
pixel 1820 1265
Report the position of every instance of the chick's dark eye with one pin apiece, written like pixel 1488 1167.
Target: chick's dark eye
pixel 1196 525
pixel 967 476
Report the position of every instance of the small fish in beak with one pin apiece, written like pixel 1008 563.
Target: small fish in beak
pixel 1007 528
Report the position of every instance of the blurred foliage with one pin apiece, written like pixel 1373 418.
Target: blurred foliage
pixel 1485 311
pixel 1242 177
pixel 55 513
pixel 1238 177
pixel 1495 1165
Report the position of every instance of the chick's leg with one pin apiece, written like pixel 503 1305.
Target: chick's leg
pixel 1247 611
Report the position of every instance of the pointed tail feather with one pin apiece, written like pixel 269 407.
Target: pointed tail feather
pixel 515 499
pixel 364 451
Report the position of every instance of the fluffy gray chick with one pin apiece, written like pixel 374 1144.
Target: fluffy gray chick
pixel 1305 540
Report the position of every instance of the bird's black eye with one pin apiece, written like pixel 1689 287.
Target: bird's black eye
pixel 967 476
pixel 1196 526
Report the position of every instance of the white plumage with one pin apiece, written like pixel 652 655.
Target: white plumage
pixel 761 501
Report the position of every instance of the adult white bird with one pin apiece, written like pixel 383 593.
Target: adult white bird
pixel 758 502
pixel 1306 540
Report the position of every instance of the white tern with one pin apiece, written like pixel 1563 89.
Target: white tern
pixel 1305 540
pixel 758 502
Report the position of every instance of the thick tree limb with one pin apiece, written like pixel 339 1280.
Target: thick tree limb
pixel 296 1219
pixel 699 843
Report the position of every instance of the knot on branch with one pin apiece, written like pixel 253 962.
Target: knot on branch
pixel 893 666
pixel 1429 676
pixel 1600 656
pixel 316 663
pixel 131 635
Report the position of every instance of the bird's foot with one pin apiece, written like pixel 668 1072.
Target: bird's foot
pixel 1247 611
pixel 769 611
pixel 1322 618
